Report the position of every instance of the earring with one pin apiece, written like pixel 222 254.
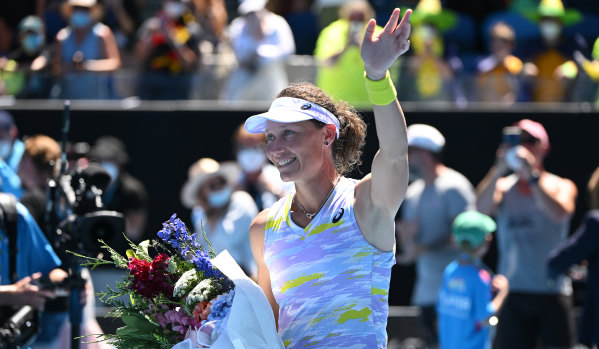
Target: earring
pixel 326 143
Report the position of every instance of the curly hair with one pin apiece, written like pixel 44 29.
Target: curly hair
pixel 347 150
pixel 44 151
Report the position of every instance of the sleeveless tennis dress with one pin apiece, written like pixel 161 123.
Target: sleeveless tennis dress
pixel 330 283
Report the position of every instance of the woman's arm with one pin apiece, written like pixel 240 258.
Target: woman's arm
pixel 111 51
pixel 380 193
pixel 488 194
pixel 257 230
pixel 581 245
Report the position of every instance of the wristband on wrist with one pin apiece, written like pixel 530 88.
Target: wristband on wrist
pixel 534 178
pixel 380 92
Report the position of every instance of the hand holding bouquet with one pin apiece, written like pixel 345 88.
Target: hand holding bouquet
pixel 179 299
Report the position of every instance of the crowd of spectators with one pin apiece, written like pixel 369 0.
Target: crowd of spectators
pixel 531 206
pixel 462 51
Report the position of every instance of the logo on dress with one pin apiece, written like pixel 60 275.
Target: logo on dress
pixel 338 216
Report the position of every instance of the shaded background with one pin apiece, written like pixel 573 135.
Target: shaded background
pixel 163 140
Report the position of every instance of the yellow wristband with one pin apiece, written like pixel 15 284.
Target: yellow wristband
pixel 380 92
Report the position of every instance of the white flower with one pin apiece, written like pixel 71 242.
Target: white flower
pixel 185 283
pixel 201 292
pixel 172 266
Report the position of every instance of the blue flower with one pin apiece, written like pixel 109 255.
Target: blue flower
pixel 175 233
pixel 220 307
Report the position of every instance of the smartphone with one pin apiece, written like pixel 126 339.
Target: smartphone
pixel 511 135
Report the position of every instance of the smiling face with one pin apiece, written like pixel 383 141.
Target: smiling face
pixel 297 149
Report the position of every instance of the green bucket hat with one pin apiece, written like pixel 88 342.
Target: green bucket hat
pixel 555 9
pixel 473 227
pixel 431 11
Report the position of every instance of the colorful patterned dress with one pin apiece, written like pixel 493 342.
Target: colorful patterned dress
pixel 331 285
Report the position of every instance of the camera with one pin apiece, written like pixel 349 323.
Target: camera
pixel 511 135
pixel 20 329
pixel 78 220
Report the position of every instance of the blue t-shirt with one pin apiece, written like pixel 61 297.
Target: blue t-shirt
pixel 9 180
pixel 464 305
pixel 18 148
pixel 34 251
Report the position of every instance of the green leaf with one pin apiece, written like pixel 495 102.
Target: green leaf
pixel 138 323
pixel 211 252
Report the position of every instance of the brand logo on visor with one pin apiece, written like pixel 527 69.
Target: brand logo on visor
pixel 306 106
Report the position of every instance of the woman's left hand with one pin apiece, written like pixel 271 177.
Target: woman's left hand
pixel 379 51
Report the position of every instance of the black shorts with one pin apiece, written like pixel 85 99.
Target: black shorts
pixel 528 320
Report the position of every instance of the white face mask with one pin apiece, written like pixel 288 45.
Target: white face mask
pixel 173 9
pixel 112 169
pixel 5 148
pixel 550 30
pixel 220 198
pixel 355 27
pixel 251 159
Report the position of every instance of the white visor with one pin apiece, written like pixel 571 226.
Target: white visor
pixel 288 110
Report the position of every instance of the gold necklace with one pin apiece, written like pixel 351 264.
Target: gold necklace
pixel 311 215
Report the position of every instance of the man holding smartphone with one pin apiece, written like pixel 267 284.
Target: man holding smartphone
pixel 532 208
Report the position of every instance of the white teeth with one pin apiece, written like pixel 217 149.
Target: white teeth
pixel 285 162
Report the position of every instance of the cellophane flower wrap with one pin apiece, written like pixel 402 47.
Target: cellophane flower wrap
pixel 175 292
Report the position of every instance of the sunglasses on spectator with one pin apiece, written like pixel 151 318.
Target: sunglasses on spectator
pixel 216 184
pixel 528 139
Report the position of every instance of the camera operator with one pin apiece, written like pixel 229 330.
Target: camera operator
pixel 11 150
pixel 24 261
pixel 38 165
pixel 25 292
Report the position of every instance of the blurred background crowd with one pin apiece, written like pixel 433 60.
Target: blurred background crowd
pixel 462 51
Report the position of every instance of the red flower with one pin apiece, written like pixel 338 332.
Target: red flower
pixel 151 279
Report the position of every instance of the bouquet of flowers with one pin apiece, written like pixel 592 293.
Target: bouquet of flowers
pixel 184 297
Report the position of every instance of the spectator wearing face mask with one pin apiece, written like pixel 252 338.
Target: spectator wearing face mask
pixel 430 72
pixel 223 214
pixel 86 52
pixel 546 57
pixel 125 193
pixel 261 41
pixel 340 70
pixel 11 151
pixel 258 176
pixel 11 148
pixel 25 71
pixel 498 75
pixel 433 200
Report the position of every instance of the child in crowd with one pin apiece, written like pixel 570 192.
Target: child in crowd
pixel 469 295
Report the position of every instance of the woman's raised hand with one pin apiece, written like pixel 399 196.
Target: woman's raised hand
pixel 379 51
